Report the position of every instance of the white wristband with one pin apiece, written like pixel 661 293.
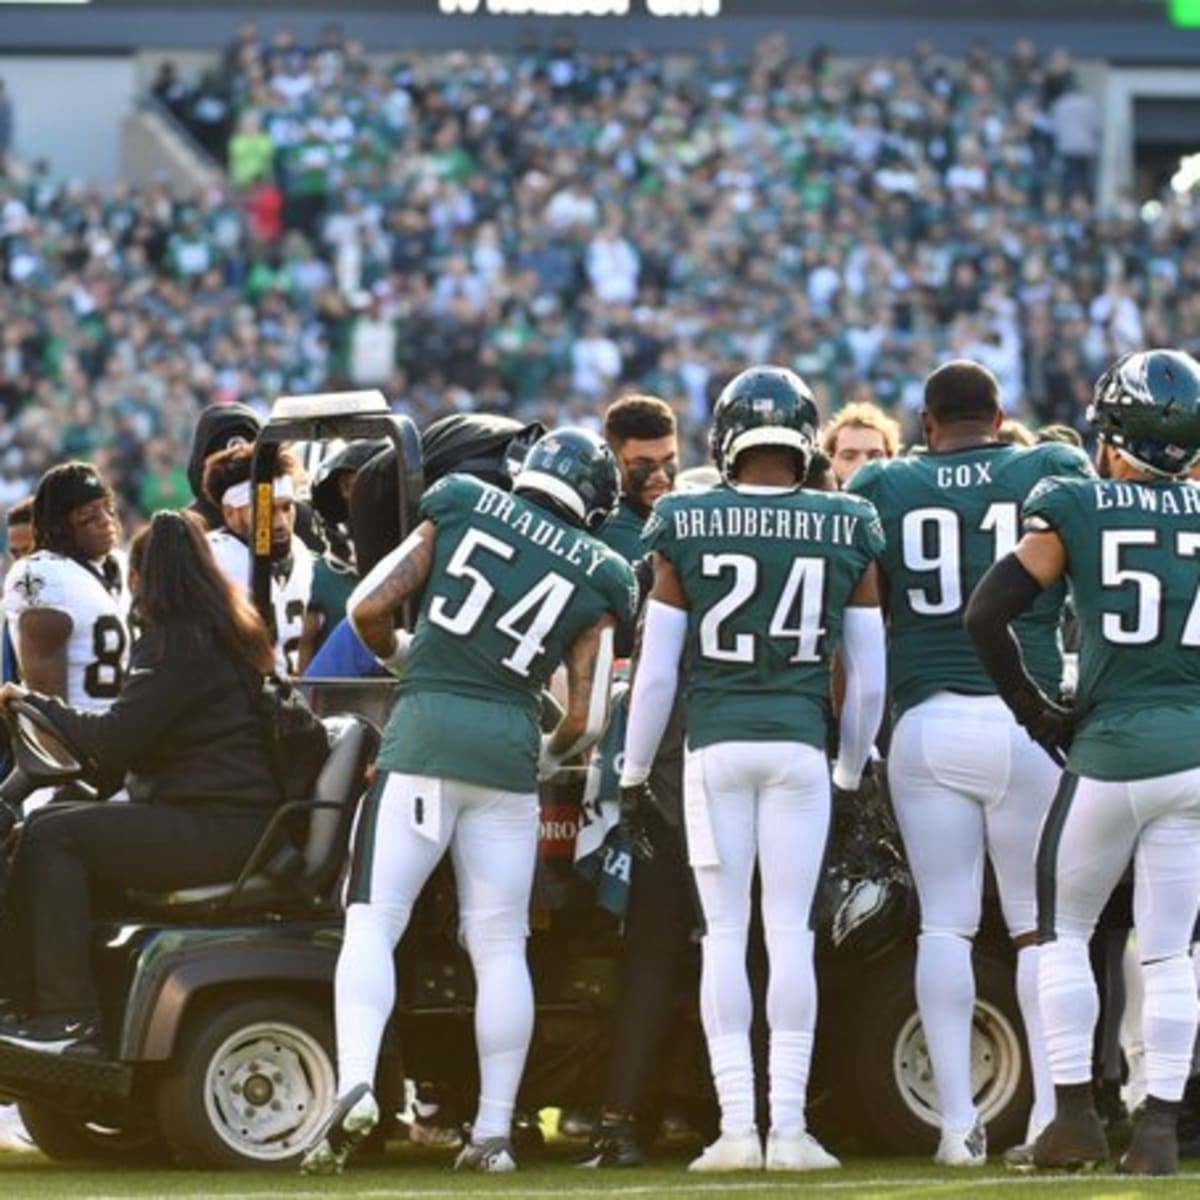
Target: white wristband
pixel 394 663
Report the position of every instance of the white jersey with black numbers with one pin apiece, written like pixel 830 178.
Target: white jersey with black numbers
pixel 289 595
pixel 98 645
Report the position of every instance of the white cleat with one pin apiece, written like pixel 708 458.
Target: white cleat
pixel 798 1152
pixel 493 1156
pixel 731 1152
pixel 353 1117
pixel 963 1147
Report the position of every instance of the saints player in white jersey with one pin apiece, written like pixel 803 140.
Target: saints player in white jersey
pixel 67 604
pixel 227 485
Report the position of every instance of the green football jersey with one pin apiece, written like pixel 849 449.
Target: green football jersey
pixel 624 532
pixel 947 517
pixel 767 575
pixel 511 587
pixel 1134 565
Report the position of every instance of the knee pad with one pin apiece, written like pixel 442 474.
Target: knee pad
pixel 382 920
pixel 493 934
pixel 724 934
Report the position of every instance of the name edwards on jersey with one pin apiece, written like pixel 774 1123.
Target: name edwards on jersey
pixel 791 525
pixel 547 534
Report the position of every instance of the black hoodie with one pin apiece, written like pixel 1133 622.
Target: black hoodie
pixel 219 427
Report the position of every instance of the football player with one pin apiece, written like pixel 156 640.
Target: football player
pixel 510 585
pixel 1128 543
pixel 759 581
pixel 641 432
pixel 67 603
pixel 965 779
pixel 227 485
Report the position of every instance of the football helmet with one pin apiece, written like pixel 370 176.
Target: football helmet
pixel 866 900
pixel 763 406
pixel 576 472
pixel 1147 406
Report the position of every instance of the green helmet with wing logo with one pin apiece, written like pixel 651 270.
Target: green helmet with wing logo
pixel 763 407
pixel 1147 406
pixel 577 472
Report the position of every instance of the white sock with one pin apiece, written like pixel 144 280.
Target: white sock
pixel 503 1028
pixel 364 988
pixel 790 1056
pixel 726 1011
pixel 1042 1112
pixel 1070 1008
pixel 1132 1032
pixel 1169 1018
pixel 733 1074
pixel 946 999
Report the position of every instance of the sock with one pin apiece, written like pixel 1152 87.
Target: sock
pixel 946 999
pixel 1169 1019
pixel 733 1075
pixel 1070 1008
pixel 364 988
pixel 503 1029
pixel 1042 1112
pixel 790 1055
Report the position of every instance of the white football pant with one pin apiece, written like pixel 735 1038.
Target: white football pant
pixel 403 829
pixel 966 781
pixel 766 802
pixel 1092 831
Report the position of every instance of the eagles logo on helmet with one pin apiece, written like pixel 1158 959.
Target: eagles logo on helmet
pixel 867 901
pixel 1147 406
pixel 577 473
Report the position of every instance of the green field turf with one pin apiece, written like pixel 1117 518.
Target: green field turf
pixel 405 1176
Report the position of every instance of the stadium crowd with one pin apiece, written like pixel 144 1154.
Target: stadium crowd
pixel 481 231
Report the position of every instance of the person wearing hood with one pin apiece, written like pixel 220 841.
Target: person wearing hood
pixel 220 427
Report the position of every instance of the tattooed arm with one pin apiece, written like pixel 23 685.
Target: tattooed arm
pixel 375 601
pixel 589 682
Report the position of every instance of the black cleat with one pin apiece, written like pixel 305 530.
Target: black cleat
pixel 1154 1149
pixel 1073 1141
pixel 56 1033
pixel 614 1144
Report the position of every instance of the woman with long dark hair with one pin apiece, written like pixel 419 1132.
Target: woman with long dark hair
pixel 185 737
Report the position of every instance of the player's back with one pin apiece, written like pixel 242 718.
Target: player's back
pixel 1134 565
pixel 98 645
pixel 947 517
pixel 767 574
pixel 511 588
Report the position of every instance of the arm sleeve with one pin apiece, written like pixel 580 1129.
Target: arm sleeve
pixel 654 685
pixel 1005 592
pixel 864 654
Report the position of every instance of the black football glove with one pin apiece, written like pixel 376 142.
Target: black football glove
pixel 640 814
pixel 1051 725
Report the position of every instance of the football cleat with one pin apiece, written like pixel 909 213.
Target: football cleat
pixel 1154 1149
pixel 493 1156
pixel 1020 1158
pixel 614 1144
pixel 963 1147
pixel 1073 1141
pixel 348 1126
pixel 731 1152
pixel 798 1152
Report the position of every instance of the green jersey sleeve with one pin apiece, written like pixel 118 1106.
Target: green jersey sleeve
pixel 452 494
pixel 1050 506
pixel 871 538
pixel 659 530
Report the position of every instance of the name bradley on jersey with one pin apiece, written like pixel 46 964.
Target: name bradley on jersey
pixel 541 532
pixel 783 524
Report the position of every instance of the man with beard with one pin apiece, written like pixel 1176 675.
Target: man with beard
pixel 227 486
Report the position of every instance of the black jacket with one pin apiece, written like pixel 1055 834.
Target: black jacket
pixel 183 729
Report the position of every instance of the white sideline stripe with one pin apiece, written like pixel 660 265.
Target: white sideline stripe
pixel 783 1183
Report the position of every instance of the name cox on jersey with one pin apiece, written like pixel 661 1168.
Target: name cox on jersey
pixel 541 532
pixel 964 475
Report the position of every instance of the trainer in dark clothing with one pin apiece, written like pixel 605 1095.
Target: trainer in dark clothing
pixel 185 736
